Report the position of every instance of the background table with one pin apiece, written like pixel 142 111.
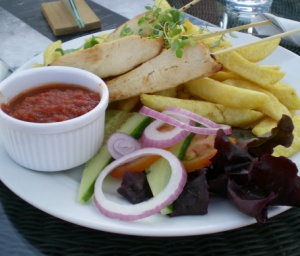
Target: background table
pixel 25 230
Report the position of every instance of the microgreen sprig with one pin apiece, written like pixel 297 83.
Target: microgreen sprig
pixel 126 31
pixel 222 38
pixel 169 25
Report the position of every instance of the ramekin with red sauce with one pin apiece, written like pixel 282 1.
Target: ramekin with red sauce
pixel 52 118
pixel 54 102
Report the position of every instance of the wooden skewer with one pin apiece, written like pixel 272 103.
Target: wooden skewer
pixel 222 32
pixel 189 5
pixel 294 31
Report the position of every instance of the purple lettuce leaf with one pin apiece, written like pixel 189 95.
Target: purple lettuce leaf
pixel 135 187
pixel 194 198
pixel 250 200
pixel 251 177
pixel 218 185
pixel 230 158
pixel 277 175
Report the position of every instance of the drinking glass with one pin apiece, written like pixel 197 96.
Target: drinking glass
pixel 248 7
pixel 240 12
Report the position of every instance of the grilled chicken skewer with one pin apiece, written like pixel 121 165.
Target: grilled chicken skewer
pixel 164 71
pixel 115 57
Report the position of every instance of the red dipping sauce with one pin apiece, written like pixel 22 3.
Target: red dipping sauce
pixel 52 103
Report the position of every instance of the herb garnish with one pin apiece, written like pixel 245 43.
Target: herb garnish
pixel 169 25
pixel 126 31
pixel 88 44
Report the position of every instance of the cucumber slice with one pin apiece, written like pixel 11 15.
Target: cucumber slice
pixel 134 126
pixel 158 174
pixel 114 119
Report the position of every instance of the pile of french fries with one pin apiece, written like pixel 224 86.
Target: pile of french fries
pixel 243 94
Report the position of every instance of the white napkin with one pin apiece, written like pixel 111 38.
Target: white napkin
pixel 278 25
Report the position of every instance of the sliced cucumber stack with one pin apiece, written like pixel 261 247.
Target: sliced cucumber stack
pixel 129 123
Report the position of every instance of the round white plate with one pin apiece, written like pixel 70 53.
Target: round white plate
pixel 55 193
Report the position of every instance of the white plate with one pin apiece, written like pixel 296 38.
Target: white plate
pixel 55 193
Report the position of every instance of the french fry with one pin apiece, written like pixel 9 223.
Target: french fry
pixel 196 31
pixel 231 96
pixel 182 93
pixel 224 75
pixel 50 54
pixel 264 126
pixel 128 105
pixel 286 95
pixel 216 44
pixel 293 112
pixel 216 112
pixel 163 4
pixel 275 67
pixel 170 92
pixel 295 147
pixel 191 28
pixel 273 108
pixel 262 76
pixel 258 52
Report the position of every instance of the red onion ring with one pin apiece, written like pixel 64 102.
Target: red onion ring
pixel 211 127
pixel 185 113
pixel 152 137
pixel 120 144
pixel 154 205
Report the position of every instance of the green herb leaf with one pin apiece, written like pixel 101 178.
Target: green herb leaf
pixel 61 51
pixel 179 53
pixel 90 43
pixel 125 31
pixel 215 44
pixel 176 32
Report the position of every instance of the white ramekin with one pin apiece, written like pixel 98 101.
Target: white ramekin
pixel 53 146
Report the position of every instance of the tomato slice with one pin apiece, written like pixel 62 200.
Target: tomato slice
pixel 199 153
pixel 137 165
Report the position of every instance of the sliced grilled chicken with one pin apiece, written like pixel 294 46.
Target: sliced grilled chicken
pixel 164 71
pixel 115 57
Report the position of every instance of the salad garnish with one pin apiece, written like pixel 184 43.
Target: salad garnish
pixel 147 208
pixel 241 170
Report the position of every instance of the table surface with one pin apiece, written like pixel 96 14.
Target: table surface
pixel 25 230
